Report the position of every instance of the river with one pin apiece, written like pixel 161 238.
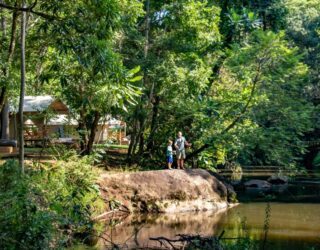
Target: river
pixel 290 221
pixel 291 226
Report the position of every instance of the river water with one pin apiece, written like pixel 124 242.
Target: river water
pixel 291 226
pixel 291 221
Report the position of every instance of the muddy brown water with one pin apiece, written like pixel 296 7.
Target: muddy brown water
pixel 291 226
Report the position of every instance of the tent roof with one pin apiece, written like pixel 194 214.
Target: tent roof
pixel 41 103
pixel 62 120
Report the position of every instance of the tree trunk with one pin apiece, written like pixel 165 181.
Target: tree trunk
pixel 22 90
pixel 5 122
pixel 154 122
pixel 139 136
pixel 146 45
pixel 137 133
pixel 10 55
pixel 132 141
pixel 83 142
pixel 93 131
pixel 141 144
pixel 138 141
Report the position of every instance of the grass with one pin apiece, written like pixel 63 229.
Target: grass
pixel 33 150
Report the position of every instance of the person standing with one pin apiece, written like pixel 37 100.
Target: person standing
pixel 169 154
pixel 180 145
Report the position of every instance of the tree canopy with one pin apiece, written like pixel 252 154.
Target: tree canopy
pixel 239 78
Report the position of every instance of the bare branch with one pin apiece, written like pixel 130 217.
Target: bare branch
pixel 28 9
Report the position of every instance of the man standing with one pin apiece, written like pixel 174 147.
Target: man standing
pixel 180 145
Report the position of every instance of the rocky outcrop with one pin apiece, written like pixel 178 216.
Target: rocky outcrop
pixel 165 191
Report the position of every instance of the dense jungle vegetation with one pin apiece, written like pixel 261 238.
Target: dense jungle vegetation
pixel 240 78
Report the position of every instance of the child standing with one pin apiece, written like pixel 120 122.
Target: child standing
pixel 169 154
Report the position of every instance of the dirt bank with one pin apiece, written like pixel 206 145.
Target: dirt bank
pixel 165 191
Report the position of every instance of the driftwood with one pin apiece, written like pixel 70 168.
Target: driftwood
pixel 122 210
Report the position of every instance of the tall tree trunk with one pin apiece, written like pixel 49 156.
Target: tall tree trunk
pixel 93 131
pixel 147 23
pixel 154 122
pixel 5 122
pixel 138 129
pixel 22 90
pixel 141 143
pixel 82 131
pixel 83 140
pixel 10 56
pixel 132 141
pixel 138 137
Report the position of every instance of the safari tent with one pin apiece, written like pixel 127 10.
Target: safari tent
pixel 46 117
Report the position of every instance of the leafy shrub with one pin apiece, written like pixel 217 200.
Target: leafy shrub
pixel 49 206
pixel 24 220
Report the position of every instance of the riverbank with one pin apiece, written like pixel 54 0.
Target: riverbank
pixel 166 191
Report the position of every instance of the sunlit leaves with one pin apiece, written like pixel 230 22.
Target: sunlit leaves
pixel 262 83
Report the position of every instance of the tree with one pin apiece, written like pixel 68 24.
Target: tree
pixel 259 113
pixel 172 46
pixel 22 90
pixel 303 30
pixel 82 58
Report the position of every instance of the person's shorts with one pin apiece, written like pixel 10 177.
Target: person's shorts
pixel 181 154
pixel 169 159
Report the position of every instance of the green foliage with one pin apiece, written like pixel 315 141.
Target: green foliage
pixel 176 63
pixel 304 29
pixel 49 205
pixel 259 113
pixel 242 23
pixel 186 65
pixel 247 101
pixel 316 160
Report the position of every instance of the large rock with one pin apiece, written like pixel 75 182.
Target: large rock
pixel 165 190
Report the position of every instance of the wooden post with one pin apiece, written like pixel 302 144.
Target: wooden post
pixel 22 89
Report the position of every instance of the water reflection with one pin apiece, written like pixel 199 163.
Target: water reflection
pixel 296 224
pixel 292 226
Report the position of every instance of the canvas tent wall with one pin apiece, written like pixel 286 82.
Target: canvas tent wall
pixel 46 116
pixel 36 109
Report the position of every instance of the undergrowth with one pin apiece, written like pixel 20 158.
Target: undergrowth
pixel 51 206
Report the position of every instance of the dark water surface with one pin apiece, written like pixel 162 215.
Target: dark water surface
pixel 291 226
